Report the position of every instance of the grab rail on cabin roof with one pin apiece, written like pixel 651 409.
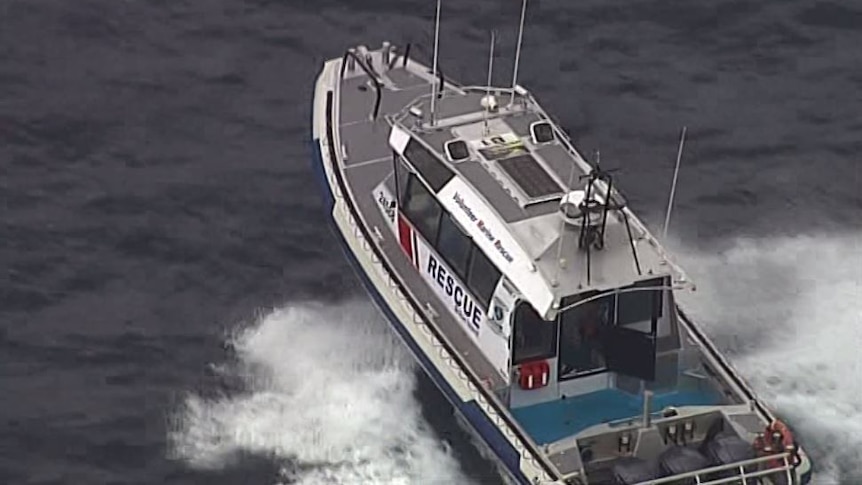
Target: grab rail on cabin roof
pixel 371 74
pixel 735 378
pixel 405 111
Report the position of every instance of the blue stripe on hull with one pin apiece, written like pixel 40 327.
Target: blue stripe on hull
pixel 486 430
pixel 320 176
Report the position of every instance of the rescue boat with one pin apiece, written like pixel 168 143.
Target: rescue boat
pixel 533 297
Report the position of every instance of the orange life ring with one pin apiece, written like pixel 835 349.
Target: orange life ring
pixel 761 445
pixel 779 436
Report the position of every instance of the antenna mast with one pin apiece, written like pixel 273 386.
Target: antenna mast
pixel 518 50
pixel 436 45
pixel 488 87
pixel 560 262
pixel 673 185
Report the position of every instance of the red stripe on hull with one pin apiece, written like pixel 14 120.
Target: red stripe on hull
pixel 415 251
pixel 405 237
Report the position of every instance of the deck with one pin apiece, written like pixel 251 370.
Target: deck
pixel 555 420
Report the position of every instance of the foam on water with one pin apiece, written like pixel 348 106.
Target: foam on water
pixel 789 312
pixel 329 394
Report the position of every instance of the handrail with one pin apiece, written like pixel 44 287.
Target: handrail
pixel 612 291
pixel 361 62
pixel 442 84
pixel 406 55
pixel 405 111
pixel 722 361
pixel 739 465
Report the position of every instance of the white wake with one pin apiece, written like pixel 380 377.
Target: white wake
pixel 329 395
pixel 789 310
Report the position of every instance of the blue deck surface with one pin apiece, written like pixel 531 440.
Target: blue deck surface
pixel 551 421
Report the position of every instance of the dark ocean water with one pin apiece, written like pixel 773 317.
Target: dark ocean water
pixel 173 308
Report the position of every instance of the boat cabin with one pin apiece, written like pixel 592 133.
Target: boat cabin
pixel 563 290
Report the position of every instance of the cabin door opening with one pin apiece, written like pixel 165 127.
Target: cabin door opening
pixel 533 338
pixel 616 333
pixel 582 338
pixel 631 341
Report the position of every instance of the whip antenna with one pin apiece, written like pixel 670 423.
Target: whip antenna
pixel 518 50
pixel 436 45
pixel 673 184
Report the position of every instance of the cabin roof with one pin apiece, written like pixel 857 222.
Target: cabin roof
pixel 506 192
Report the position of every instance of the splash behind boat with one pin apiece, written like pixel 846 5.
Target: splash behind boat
pixel 527 289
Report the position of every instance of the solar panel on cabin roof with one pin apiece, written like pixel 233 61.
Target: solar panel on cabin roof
pixel 530 176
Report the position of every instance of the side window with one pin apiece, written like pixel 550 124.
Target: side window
pixel 421 208
pixel 401 175
pixel 534 338
pixel 454 246
pixel 483 277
